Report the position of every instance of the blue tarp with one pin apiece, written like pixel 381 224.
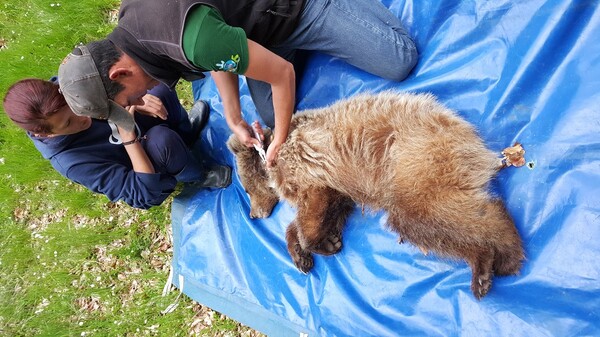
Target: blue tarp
pixel 526 71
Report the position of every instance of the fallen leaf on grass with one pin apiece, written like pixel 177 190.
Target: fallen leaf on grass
pixel 40 307
pixel 89 304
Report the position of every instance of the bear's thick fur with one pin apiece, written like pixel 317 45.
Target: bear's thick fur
pixel 404 153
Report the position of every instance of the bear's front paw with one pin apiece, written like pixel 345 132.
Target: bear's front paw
pixel 481 284
pixel 303 259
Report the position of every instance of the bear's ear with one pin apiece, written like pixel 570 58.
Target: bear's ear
pixel 234 144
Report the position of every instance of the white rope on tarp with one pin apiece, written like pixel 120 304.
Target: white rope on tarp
pixel 168 284
pixel 167 288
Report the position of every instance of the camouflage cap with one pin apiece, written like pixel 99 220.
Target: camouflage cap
pixel 82 86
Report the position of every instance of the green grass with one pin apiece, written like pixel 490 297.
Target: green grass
pixel 71 262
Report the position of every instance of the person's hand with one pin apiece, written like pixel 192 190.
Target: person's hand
pixel 258 130
pixel 243 133
pixel 128 135
pixel 153 106
pixel 272 150
pixel 272 153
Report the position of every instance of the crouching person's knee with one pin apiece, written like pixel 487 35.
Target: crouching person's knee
pixel 170 155
pixel 166 150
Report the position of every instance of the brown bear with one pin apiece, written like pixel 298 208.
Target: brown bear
pixel 402 153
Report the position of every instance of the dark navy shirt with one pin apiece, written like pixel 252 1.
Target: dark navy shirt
pixel 90 159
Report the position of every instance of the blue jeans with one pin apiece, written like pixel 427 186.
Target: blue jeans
pixel 363 33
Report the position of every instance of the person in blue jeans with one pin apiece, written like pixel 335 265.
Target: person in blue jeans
pixel 255 38
pixel 140 167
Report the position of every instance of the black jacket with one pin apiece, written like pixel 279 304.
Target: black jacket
pixel 151 31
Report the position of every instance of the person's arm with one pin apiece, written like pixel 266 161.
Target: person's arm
pixel 115 180
pixel 139 159
pixel 153 106
pixel 268 67
pixel 227 84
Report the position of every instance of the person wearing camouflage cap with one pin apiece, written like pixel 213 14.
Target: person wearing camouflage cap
pixel 140 166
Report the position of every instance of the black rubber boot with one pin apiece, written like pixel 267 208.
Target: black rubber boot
pixel 218 176
pixel 199 117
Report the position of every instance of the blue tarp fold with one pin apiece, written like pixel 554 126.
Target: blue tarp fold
pixel 526 71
